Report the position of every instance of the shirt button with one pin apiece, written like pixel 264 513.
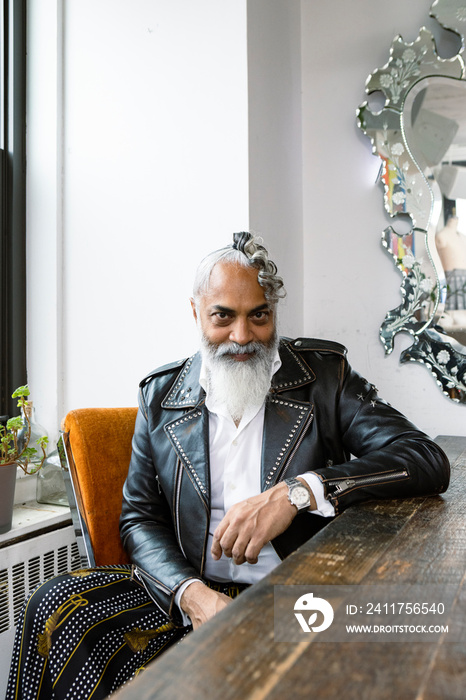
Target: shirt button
pixel 231 486
pixel 235 442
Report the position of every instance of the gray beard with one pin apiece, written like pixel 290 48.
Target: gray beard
pixel 238 385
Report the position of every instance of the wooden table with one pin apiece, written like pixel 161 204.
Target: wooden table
pixel 234 656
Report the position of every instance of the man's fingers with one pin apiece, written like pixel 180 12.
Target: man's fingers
pixel 232 541
pixel 216 549
pixel 246 547
pixel 233 544
pixel 224 540
pixel 251 553
pixel 238 551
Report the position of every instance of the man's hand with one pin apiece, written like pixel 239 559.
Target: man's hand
pixel 250 524
pixel 201 603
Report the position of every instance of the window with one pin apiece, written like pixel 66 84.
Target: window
pixel 12 201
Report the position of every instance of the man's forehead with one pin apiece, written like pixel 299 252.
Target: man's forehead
pixel 229 276
pixel 232 287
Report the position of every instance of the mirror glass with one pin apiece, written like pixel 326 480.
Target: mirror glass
pixel 415 117
pixel 435 128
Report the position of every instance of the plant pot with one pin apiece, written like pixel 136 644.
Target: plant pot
pixel 7 495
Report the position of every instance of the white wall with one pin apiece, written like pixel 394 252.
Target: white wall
pixel 158 127
pixel 275 145
pixel 147 131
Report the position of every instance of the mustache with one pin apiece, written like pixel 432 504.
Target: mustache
pixel 232 348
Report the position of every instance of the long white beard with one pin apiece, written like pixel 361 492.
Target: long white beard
pixel 238 385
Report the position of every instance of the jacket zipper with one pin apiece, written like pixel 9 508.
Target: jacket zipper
pixel 344 484
pixel 177 506
pixel 141 573
pixel 137 573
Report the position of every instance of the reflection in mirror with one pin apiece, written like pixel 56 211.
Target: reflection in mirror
pixel 435 126
pixel 419 132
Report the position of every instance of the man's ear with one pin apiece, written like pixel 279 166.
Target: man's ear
pixel 193 306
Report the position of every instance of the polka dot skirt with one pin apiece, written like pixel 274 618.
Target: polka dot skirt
pixel 86 633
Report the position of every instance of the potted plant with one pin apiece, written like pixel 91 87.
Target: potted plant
pixel 15 452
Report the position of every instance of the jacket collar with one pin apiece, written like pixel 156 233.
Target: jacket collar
pixel 186 392
pixel 293 373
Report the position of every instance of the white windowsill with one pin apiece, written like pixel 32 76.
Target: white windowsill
pixel 31 516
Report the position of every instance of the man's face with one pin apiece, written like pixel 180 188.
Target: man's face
pixel 234 309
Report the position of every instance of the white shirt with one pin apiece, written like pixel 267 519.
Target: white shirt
pixel 235 471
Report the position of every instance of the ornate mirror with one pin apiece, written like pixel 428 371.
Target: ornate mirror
pixel 418 130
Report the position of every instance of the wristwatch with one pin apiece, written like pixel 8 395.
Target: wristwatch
pixel 298 494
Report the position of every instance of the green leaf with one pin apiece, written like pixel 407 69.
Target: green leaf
pixel 29 452
pixel 21 391
pixel 15 423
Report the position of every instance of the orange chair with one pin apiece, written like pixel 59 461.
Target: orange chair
pixel 95 449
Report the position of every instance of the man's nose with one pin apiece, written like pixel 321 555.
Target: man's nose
pixel 241 332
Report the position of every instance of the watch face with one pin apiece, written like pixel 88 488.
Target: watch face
pixel 300 496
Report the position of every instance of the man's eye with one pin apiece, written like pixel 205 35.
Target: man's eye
pixel 220 317
pixel 261 316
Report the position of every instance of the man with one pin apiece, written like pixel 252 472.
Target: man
pixel 219 437
pixel 240 454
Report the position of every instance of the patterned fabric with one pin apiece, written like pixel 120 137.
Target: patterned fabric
pixel 86 633
pixel 456 297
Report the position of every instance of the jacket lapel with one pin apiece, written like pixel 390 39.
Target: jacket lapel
pixel 293 373
pixel 189 431
pixel 189 436
pixel 285 422
pixel 186 392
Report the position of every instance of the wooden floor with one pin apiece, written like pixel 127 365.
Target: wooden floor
pixel 235 655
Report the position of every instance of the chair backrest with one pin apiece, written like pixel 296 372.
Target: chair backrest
pixel 98 449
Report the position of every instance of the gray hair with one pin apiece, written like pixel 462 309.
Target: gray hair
pixel 246 251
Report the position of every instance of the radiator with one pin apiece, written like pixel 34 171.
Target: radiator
pixel 22 567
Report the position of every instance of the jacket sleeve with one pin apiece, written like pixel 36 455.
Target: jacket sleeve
pixel 391 458
pixel 146 526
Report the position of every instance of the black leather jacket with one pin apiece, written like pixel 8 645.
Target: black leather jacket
pixel 319 414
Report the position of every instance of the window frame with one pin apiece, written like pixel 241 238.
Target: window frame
pixel 13 369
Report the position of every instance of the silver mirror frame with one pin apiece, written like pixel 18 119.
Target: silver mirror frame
pixel 411 195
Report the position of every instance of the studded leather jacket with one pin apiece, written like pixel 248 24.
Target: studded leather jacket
pixel 320 416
